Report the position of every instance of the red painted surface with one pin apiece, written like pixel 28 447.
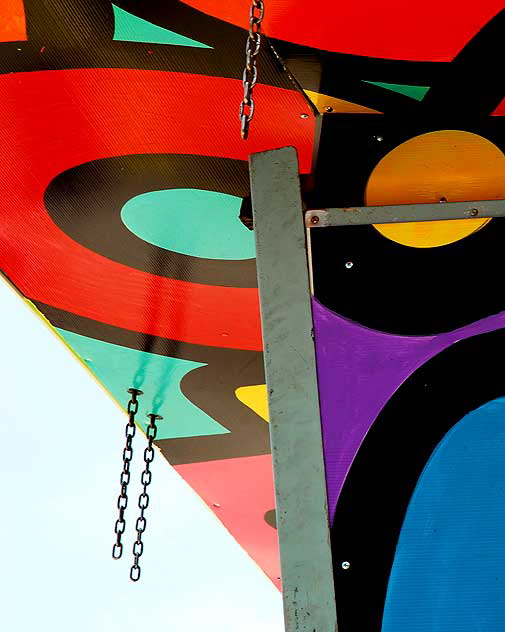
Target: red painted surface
pixel 243 489
pixel 432 30
pixel 12 21
pixel 500 110
pixel 55 120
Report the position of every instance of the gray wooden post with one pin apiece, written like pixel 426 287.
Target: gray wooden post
pixel 295 424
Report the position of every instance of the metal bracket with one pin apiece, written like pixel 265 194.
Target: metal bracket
pixel 293 399
pixel 402 213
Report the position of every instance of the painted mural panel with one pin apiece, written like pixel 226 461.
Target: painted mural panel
pixel 122 177
pixel 409 331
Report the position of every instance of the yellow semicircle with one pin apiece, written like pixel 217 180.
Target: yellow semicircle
pixel 450 165
pixel 339 106
pixel 255 398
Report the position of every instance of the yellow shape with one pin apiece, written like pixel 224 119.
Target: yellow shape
pixel 255 398
pixel 339 106
pixel 449 165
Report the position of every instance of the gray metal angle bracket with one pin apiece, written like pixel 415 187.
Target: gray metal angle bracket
pixel 293 400
pixel 402 213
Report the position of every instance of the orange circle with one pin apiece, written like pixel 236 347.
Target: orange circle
pixel 449 165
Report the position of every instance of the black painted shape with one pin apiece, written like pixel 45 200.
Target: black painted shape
pixel 64 34
pixel 391 287
pixel 72 24
pixel 473 84
pixel 347 153
pixel 212 388
pixel 409 291
pixel 343 76
pixel 246 214
pixel 271 518
pixel 379 486
pixel 86 202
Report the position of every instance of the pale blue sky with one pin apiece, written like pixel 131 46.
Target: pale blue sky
pixel 61 440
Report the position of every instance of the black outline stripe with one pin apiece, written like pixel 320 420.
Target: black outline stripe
pixel 86 202
pixel 211 388
pixel 383 476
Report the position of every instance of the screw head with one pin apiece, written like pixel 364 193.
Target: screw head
pixel 349 265
pixel 328 108
pixel 135 391
pixel 314 219
pixel 304 116
pixel 474 212
pixel 346 566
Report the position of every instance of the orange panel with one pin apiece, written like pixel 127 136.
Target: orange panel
pixel 12 23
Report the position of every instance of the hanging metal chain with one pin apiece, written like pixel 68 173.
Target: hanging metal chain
pixel 122 501
pixel 250 74
pixel 140 526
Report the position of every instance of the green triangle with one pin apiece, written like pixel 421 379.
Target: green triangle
pixel 415 92
pixel 130 28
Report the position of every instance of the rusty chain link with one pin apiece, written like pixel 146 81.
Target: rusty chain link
pixel 250 74
pixel 122 501
pixel 140 526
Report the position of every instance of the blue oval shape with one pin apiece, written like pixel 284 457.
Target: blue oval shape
pixel 192 222
pixel 449 568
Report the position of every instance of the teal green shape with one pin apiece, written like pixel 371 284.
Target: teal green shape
pixel 192 222
pixel 130 28
pixel 415 92
pixel 119 368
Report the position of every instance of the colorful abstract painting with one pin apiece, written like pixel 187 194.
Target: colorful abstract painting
pixel 122 180
pixel 409 331
pixel 123 176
